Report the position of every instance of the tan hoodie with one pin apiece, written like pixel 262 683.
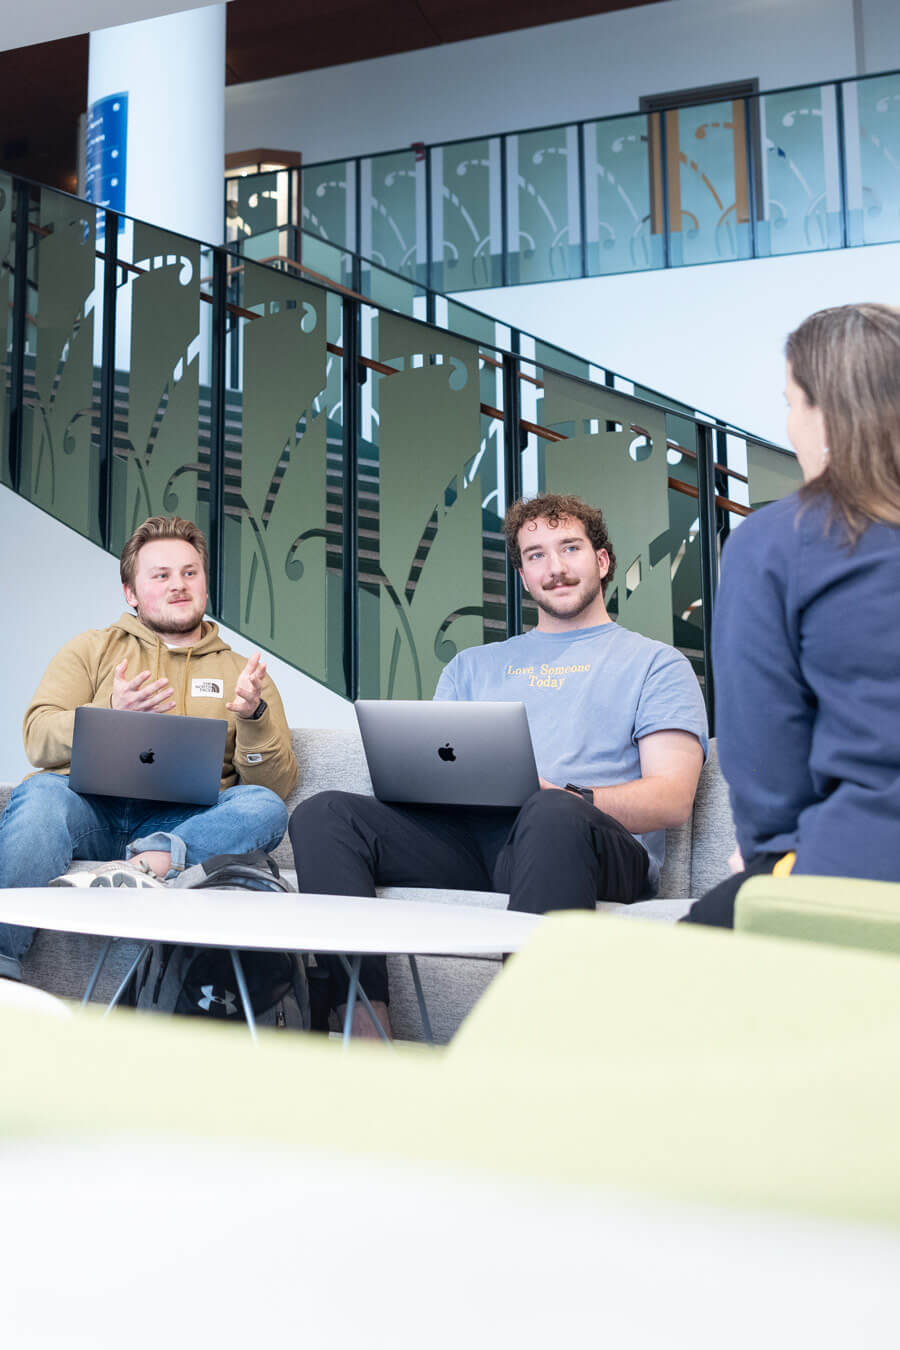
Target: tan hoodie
pixel 202 677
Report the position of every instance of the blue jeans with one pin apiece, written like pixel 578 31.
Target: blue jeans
pixel 46 825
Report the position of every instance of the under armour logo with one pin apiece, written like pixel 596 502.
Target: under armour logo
pixel 210 997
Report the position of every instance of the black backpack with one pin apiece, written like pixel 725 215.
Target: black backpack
pixel 201 981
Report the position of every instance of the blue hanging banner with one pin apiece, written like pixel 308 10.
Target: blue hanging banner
pixel 107 144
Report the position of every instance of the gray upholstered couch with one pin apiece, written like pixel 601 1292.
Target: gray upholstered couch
pixel 696 858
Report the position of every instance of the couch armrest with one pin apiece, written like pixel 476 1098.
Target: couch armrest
pixel 5 792
pixel 839 911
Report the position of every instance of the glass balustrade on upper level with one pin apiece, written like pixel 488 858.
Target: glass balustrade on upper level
pixel 790 171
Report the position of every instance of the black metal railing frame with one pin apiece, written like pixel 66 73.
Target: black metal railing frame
pixel 713 520
pixel 753 150
pixel 357 265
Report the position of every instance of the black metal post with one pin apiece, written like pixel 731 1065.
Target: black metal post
pixel 429 242
pixel 357 212
pixel 353 374
pixel 504 217
pixel 709 562
pixel 513 445
pixel 20 312
pixel 108 373
pixel 217 395
pixel 664 178
pixel 751 150
pixel 842 163
pixel 582 200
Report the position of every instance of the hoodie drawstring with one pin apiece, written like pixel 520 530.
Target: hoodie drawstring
pixel 185 689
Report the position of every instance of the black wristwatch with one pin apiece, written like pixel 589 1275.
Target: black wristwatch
pixel 260 709
pixel 586 793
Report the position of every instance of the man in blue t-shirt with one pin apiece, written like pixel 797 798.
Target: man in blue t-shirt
pixel 619 731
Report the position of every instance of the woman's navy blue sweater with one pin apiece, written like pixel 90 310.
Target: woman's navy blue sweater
pixel 806 660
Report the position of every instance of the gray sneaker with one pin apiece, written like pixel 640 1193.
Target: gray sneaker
pixel 112 874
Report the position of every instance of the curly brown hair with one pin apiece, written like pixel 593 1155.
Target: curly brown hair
pixel 160 527
pixel 555 508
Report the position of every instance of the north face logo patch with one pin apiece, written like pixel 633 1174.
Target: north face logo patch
pixel 207 688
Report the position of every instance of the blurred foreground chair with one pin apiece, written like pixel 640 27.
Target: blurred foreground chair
pixel 839 911
pixel 631 1103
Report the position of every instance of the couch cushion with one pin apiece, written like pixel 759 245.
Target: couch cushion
pixel 712 838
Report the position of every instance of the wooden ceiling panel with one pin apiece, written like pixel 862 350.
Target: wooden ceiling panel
pixel 43 88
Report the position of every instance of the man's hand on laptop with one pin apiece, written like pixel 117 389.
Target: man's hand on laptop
pixel 137 695
pixel 248 690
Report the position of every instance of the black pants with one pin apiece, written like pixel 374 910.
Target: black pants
pixel 716 907
pixel 555 852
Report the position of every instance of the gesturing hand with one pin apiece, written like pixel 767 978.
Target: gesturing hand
pixel 248 690
pixel 137 695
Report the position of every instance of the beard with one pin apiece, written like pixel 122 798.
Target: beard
pixel 173 625
pixel 544 599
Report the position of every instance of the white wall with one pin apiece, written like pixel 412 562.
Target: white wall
pixel 55 585
pixel 711 336
pixel 557 72
pixel 879 33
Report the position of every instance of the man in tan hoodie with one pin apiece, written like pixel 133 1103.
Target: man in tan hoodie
pixel 163 659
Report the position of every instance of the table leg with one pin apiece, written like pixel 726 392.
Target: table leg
pixel 92 982
pixel 364 998
pixel 131 969
pixel 423 1010
pixel 244 992
pixel 353 972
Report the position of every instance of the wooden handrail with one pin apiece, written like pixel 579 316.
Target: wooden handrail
pixel 725 503
pixel 720 468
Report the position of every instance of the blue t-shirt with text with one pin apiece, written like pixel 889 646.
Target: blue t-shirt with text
pixel 590 695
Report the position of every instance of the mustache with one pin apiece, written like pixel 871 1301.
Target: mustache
pixel 562 580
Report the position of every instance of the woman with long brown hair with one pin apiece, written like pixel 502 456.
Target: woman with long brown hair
pixel 806 641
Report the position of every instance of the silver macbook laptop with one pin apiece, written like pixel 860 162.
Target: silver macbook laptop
pixel 448 754
pixel 148 755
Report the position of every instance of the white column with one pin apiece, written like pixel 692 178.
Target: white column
pixel 172 70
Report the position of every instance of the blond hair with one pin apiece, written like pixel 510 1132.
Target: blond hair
pixel 160 527
pixel 847 362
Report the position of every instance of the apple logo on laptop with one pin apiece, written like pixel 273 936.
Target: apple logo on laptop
pixel 147 756
pixel 446 752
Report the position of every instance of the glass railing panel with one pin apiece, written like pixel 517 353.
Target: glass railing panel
pixel 612 451
pixel 545 354
pixel 282 542
pixel 432 571
pixel 618 224
pixel 543 212
pixel 872 129
pixel 267 246
pixel 327 259
pixel 160 462
pixel 329 202
pixel 799 179
pixel 257 202
pixel 60 469
pixel 392 292
pixel 466 215
pixel 471 323
pixel 7 264
pixel 393 215
pixel 773 474
pixel 707 182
